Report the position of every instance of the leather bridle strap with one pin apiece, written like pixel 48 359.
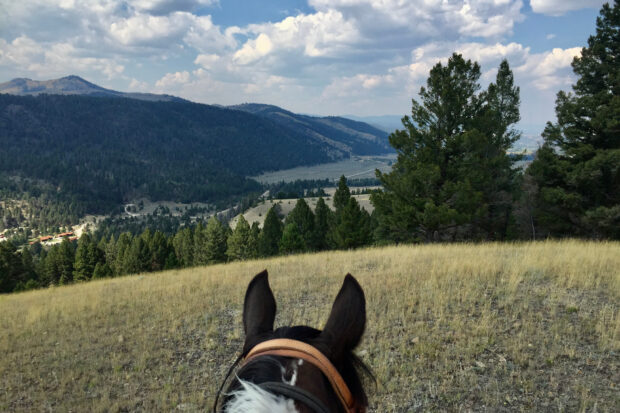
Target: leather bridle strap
pixel 297 349
pixel 302 396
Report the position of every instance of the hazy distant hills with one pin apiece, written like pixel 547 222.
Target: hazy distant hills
pixel 387 123
pixel 72 85
pixel 103 147
pixel 108 150
pixel 340 133
pixel 339 137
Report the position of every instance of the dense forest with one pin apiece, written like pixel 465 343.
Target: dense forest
pixel 97 152
pixel 107 253
pixel 454 180
pixel 106 150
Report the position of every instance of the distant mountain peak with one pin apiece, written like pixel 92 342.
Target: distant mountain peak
pixel 72 85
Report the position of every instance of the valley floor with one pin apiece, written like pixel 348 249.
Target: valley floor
pixel 357 167
pixel 462 327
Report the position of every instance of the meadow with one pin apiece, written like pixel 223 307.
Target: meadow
pixel 455 327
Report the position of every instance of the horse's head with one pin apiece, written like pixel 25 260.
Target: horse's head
pixel 299 368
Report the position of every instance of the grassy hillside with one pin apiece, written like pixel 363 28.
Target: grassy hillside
pixel 493 327
pixel 259 212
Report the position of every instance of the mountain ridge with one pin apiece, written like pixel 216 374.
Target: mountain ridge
pixel 73 85
pixel 358 138
pixel 343 136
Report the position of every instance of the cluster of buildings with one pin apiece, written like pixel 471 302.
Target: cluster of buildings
pixel 54 239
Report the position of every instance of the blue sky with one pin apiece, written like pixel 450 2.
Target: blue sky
pixel 324 57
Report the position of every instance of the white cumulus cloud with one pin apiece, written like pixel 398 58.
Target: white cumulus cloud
pixel 550 70
pixel 144 29
pixel 173 79
pixel 59 59
pixel 254 49
pixel 207 61
pixel 559 7
pixel 168 6
pixel 427 18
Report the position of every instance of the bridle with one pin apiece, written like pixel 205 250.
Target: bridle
pixel 285 347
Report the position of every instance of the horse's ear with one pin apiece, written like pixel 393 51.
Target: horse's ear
pixel 259 307
pixel 347 320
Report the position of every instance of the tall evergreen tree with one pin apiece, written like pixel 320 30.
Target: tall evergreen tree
pixel 352 228
pixel 342 195
pixel 492 169
pixel 239 241
pixel 11 269
pixel 303 218
pixel 102 270
pixel 65 259
pixel 323 217
pixel 254 236
pixel 437 189
pixel 122 247
pixel 217 236
pixel 201 250
pixel 184 247
pixel 292 240
pixel 577 170
pixel 269 239
pixel 159 251
pixel 137 257
pixel 84 265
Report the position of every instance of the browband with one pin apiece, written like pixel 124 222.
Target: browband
pixel 285 347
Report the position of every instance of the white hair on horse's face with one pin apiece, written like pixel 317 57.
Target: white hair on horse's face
pixel 251 398
pixel 294 366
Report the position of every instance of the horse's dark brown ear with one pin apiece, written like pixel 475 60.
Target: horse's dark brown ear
pixel 347 320
pixel 259 307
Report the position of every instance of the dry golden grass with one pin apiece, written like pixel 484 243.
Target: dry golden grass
pixel 491 327
pixel 259 212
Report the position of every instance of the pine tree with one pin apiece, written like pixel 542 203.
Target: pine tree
pixel 201 255
pixel 216 244
pixel 102 270
pixel 11 270
pixel 253 242
pixel 184 247
pixel 352 229
pixel 84 265
pixel 491 169
pixel 303 218
pixel 239 241
pixel 171 261
pixel 137 257
pixel 28 265
pixel 451 150
pixel 342 195
pixel 269 239
pixel 110 253
pixel 323 216
pixel 123 245
pixel 159 251
pixel 292 241
pixel 577 170
pixel 66 258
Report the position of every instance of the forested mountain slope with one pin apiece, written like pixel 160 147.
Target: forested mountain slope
pixel 106 150
pixel 345 134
